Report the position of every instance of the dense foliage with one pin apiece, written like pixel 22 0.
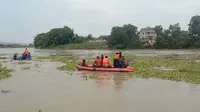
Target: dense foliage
pixel 127 36
pixel 57 37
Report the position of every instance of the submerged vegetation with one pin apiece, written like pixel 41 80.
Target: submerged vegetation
pixel 23 62
pixel 174 67
pixel 4 72
pixel 177 68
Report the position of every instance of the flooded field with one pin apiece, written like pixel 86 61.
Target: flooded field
pixel 39 85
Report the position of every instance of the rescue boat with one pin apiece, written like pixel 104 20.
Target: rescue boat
pixel 91 68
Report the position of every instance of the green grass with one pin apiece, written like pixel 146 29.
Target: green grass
pixel 184 68
pixel 4 72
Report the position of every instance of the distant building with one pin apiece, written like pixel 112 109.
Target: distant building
pixel 97 40
pixel 102 38
pixel 148 35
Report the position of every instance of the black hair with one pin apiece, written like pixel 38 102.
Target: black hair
pixel 102 56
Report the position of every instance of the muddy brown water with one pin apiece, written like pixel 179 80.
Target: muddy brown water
pixel 46 88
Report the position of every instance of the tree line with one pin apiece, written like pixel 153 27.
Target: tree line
pixel 15 45
pixel 127 36
pixel 59 36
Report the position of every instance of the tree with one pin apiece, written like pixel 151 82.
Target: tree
pixel 118 37
pixel 89 37
pixel 171 38
pixel 124 37
pixel 55 37
pixel 159 30
pixel 194 31
pixel 131 31
pixel 194 26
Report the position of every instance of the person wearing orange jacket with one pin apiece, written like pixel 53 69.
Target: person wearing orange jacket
pixel 97 62
pixel 26 51
pixel 106 63
pixel 116 60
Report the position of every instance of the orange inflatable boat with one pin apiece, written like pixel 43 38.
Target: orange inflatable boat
pixel 91 68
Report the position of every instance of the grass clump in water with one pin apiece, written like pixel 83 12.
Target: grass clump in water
pixel 180 68
pixel 23 62
pixel 4 72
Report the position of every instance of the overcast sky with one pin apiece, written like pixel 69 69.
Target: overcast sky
pixel 21 20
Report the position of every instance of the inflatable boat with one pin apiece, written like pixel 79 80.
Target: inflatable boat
pixel 91 68
pixel 27 57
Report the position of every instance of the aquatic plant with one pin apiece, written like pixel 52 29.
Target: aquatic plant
pixel 172 67
pixel 4 72
pixel 23 62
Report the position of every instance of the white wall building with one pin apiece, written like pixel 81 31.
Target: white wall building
pixel 148 35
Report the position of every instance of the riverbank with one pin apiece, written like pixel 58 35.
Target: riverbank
pixel 172 67
pixel 103 46
pixel 86 45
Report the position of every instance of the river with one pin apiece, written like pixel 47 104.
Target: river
pixel 44 87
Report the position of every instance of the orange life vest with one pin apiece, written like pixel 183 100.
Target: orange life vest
pixel 106 62
pixel 98 62
pixel 116 56
pixel 26 51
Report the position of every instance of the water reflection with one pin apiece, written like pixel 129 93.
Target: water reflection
pixel 106 79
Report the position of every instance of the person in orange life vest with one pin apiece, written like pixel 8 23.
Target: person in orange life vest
pixel 106 63
pixel 26 51
pixel 97 62
pixel 83 63
pixel 116 60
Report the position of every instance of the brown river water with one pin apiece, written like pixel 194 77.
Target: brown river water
pixel 46 88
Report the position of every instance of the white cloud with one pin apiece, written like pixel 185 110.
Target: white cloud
pixel 91 16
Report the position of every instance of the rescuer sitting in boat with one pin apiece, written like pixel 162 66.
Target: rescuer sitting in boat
pixel 102 57
pixel 83 62
pixel 97 62
pixel 116 60
pixel 106 63
pixel 123 62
